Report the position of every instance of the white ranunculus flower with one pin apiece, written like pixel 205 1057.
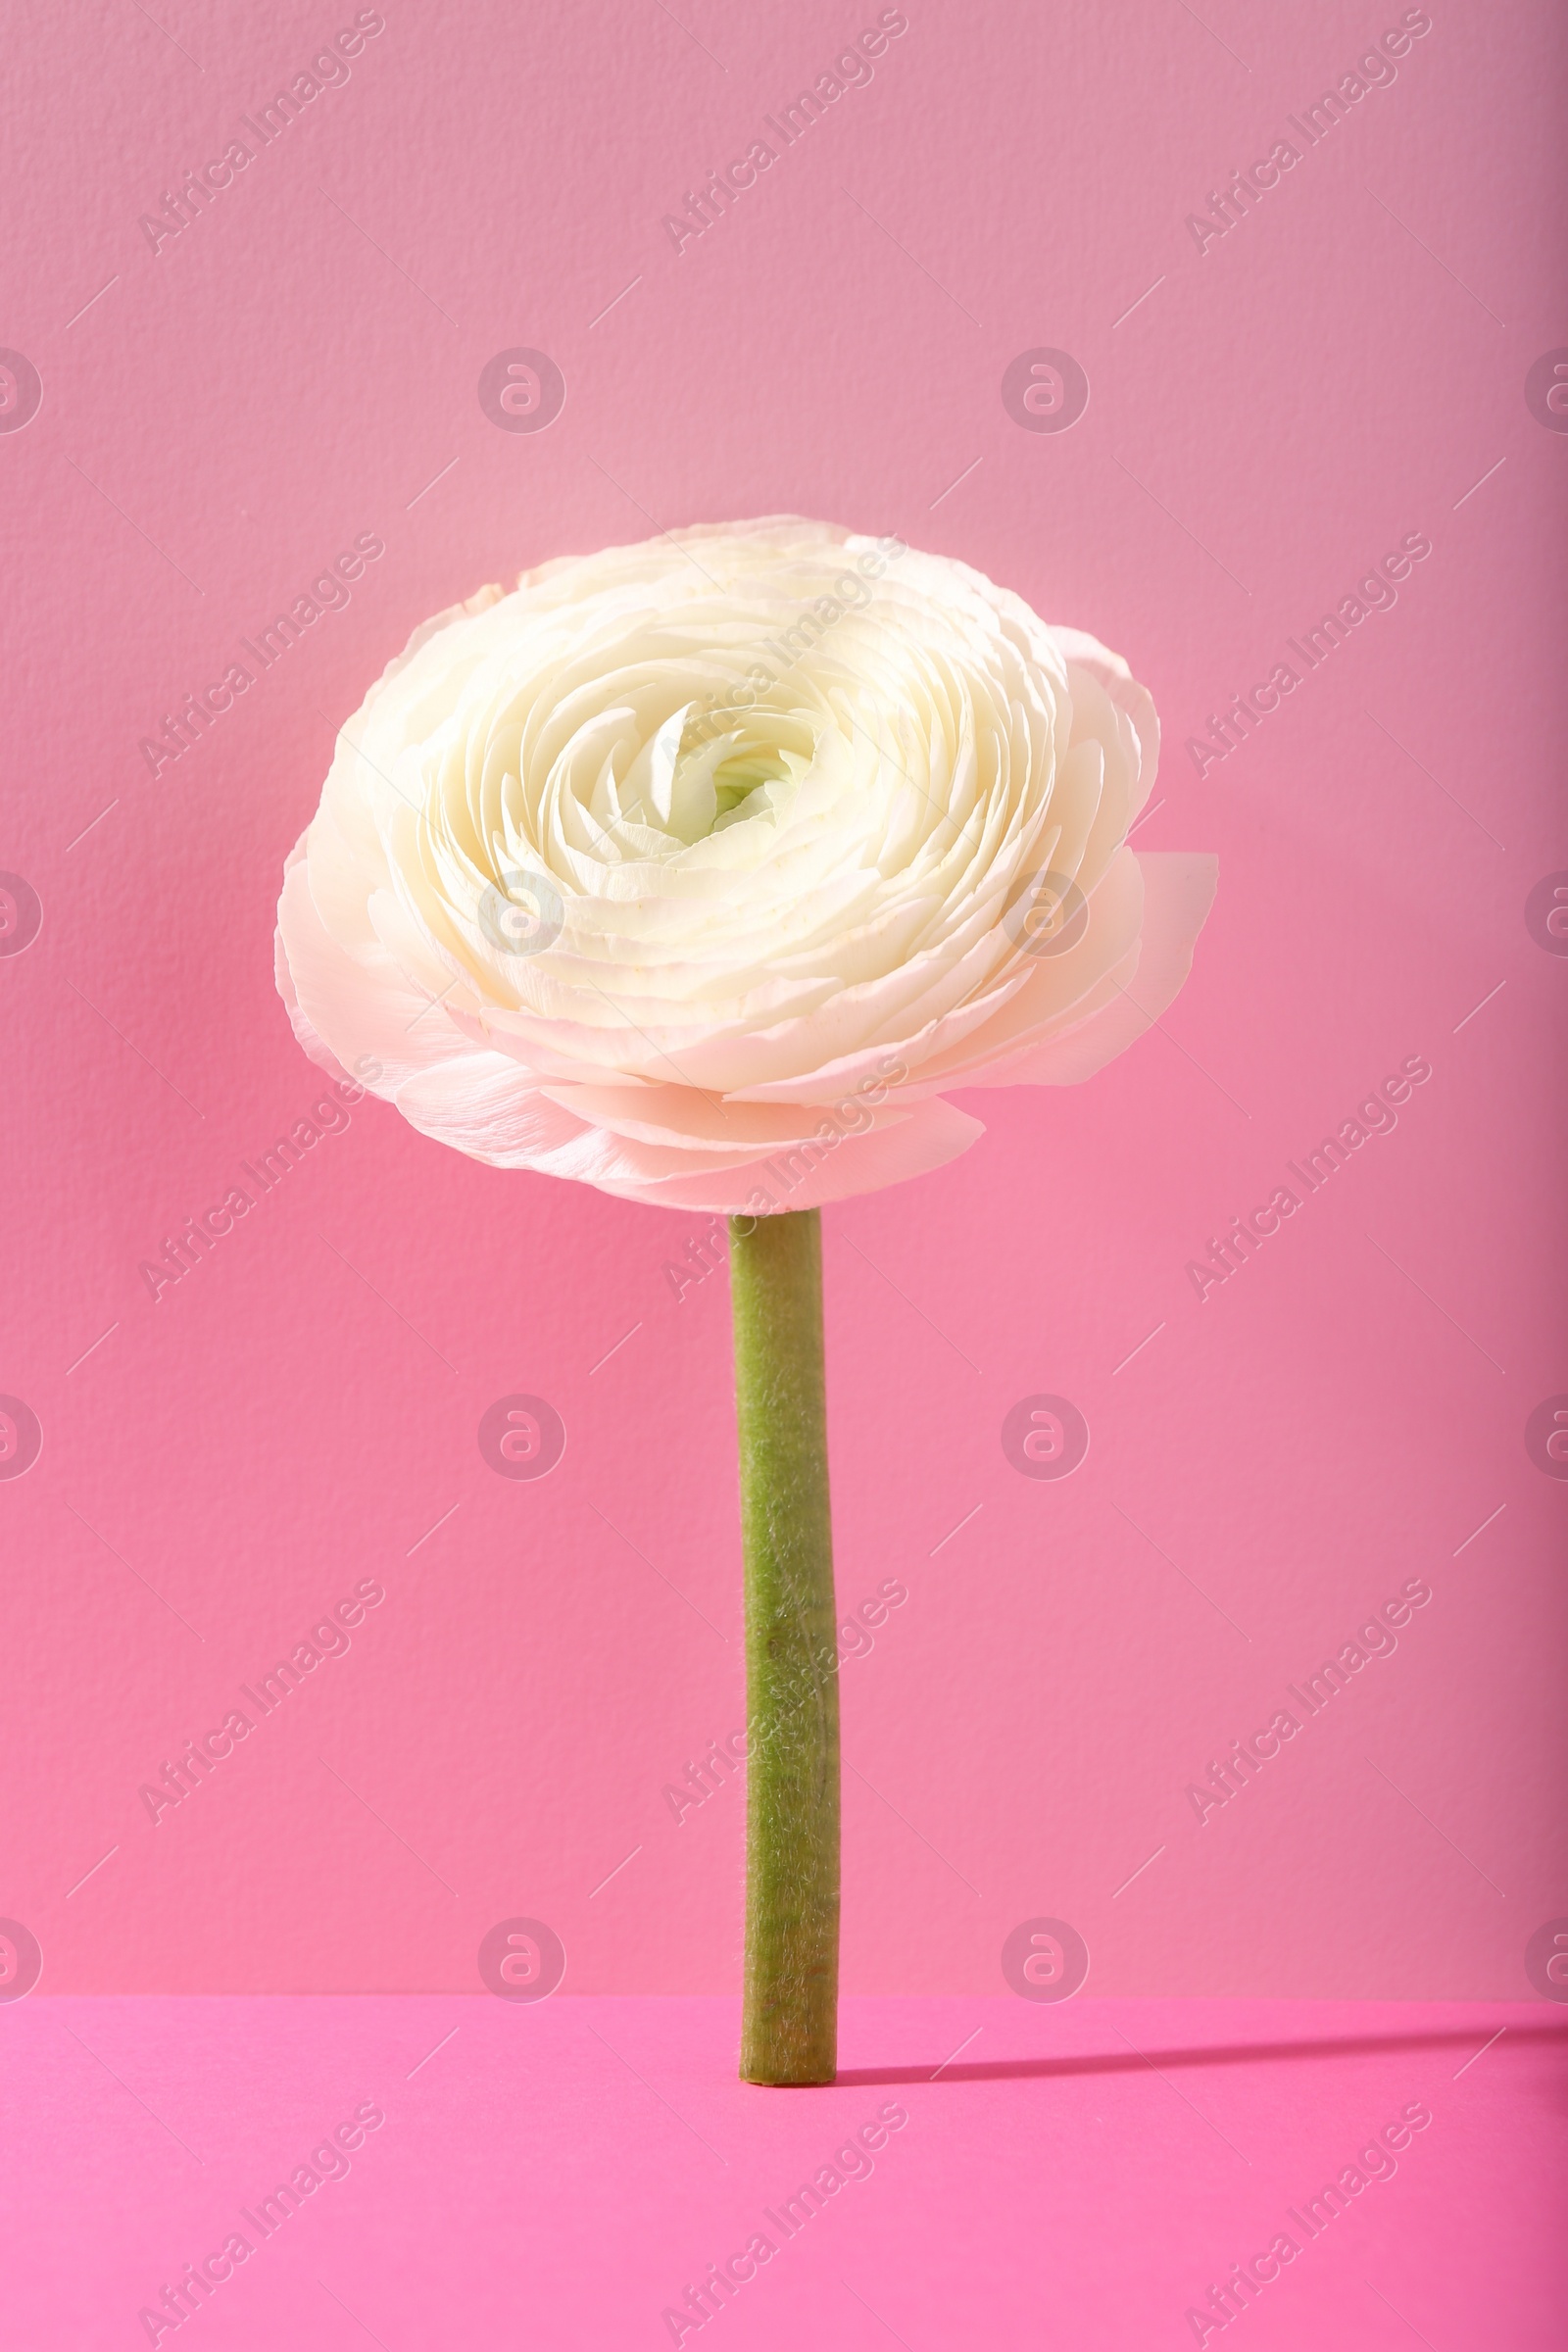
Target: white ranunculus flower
pixel 700 871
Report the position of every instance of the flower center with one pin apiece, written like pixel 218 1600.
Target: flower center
pixel 736 779
pixel 696 775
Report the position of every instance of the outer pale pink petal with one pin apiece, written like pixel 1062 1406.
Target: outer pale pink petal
pixel 1178 892
pixel 485 1104
pixel 359 1007
pixel 719 1128
pixel 1045 997
pixel 934 1133
pixel 319 1052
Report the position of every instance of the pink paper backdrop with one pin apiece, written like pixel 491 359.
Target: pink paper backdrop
pixel 1271 411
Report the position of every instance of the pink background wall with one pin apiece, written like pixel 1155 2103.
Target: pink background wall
pixel 1345 367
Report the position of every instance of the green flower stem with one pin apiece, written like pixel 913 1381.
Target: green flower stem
pixel 789 2032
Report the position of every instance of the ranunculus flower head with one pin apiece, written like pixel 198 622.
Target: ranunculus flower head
pixel 703 871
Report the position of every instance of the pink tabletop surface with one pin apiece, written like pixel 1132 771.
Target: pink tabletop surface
pixel 561 2175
